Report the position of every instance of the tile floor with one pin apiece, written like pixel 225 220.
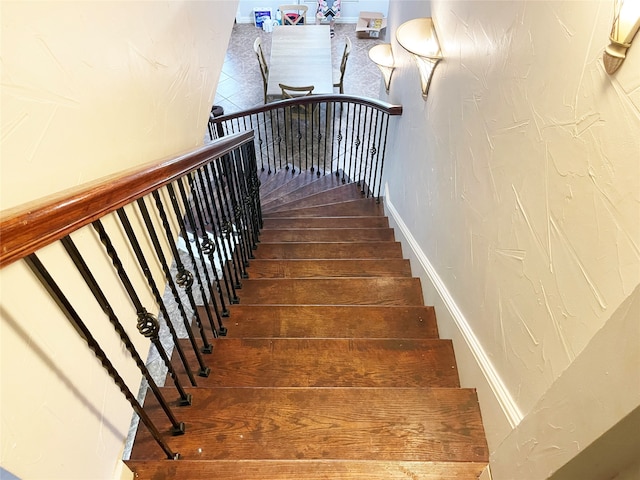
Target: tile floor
pixel 240 84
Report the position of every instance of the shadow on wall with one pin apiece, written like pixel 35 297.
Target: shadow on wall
pixel 42 355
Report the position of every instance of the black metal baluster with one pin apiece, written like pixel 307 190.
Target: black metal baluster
pixel 363 157
pixel 337 141
pixel 226 228
pixel 211 173
pixel 246 178
pixel 269 137
pixel 184 277
pixel 179 216
pixel 275 127
pixel 384 150
pixel 241 216
pixel 376 152
pixel 148 324
pixel 348 138
pixel 237 199
pixel 253 187
pixel 54 291
pixel 144 265
pixel 353 158
pixel 177 427
pixel 205 250
pixel 203 369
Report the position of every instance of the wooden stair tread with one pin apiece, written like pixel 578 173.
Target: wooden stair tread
pixel 328 250
pixel 301 268
pixel 343 321
pixel 333 291
pixel 300 187
pixel 305 470
pixel 365 206
pixel 272 362
pixel 334 195
pixel 272 181
pixel 407 424
pixel 328 235
pixel 326 222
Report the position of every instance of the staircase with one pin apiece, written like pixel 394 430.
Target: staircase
pixel 332 367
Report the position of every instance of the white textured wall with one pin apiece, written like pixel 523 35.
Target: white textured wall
pixel 518 182
pixel 88 89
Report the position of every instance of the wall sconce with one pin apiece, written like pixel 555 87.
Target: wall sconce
pixel 626 22
pixel 382 56
pixel 418 36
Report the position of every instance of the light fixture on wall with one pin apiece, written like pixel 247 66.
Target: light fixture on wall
pixel 626 22
pixel 418 36
pixel 382 56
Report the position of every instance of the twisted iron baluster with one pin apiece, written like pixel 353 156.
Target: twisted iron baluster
pixel 353 158
pixel 69 246
pixel 203 369
pixel 152 327
pixel 212 208
pixel 184 278
pixel 384 150
pixel 251 188
pixel 205 250
pixel 375 151
pixel 242 260
pixel 189 280
pixel 142 261
pixel 224 166
pixel 245 202
pixel 363 156
pixel 41 273
pixel 254 189
pixel 225 229
pixel 210 186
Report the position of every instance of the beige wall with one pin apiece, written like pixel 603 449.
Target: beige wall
pixel 516 187
pixel 88 88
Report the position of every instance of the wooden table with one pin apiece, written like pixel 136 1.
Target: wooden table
pixel 300 56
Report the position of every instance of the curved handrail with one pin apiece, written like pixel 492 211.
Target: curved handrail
pixel 27 228
pixel 385 107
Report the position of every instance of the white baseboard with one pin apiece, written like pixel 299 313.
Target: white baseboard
pixel 502 396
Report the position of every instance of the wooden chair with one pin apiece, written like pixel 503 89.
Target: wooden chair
pixel 299 112
pixel 338 75
pixel 294 14
pixel 264 68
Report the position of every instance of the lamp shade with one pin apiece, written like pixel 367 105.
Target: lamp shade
pixel 418 36
pixel 626 23
pixel 382 56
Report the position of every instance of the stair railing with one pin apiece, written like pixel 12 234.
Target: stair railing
pixel 339 134
pixel 187 225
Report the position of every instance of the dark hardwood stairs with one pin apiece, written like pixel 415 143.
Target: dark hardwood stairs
pixel 332 367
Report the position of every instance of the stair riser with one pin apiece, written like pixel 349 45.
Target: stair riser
pixel 325 222
pixel 306 470
pixel 351 291
pixel 309 321
pixel 328 268
pixel 329 235
pixel 367 207
pixel 335 251
pixel 327 363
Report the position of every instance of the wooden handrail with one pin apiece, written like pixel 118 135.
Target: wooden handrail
pixel 385 107
pixel 27 228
